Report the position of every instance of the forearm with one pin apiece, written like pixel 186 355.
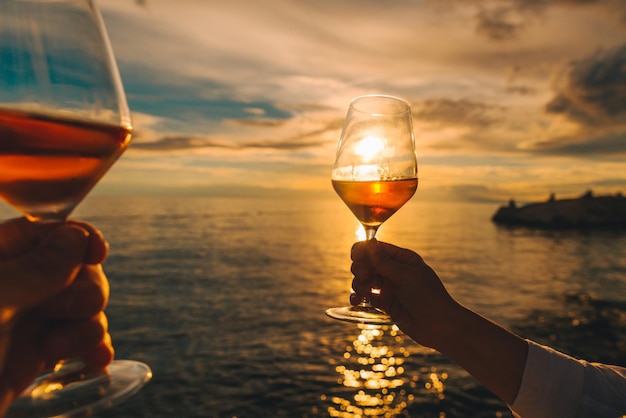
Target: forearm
pixel 417 300
pixel 490 353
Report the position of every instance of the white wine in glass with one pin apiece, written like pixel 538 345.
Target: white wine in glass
pixel 375 174
pixel 64 121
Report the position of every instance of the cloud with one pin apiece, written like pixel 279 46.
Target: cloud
pixel 305 140
pixel 507 20
pixel 245 85
pixel 178 143
pixel 610 146
pixel 586 145
pixel 502 22
pixel 462 112
pixel 465 126
pixel 588 109
pixel 593 91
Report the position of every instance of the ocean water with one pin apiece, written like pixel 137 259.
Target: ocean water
pixel 225 299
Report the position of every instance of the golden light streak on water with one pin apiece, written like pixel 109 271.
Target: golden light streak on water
pixel 373 368
pixel 436 383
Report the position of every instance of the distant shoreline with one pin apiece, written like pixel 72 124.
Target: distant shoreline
pixel 587 211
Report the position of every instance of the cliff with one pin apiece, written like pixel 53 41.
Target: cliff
pixel 584 212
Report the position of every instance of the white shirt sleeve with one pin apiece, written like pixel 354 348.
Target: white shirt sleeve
pixel 557 385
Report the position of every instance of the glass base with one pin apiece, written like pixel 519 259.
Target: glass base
pixel 360 314
pixel 71 393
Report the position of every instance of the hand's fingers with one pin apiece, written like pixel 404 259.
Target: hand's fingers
pixel 23 360
pixel 376 251
pixel 366 274
pixel 355 298
pixel 84 298
pixel 73 338
pixel 386 298
pixel 359 250
pixel 397 254
pixel 363 289
pixel 361 270
pixel 363 282
pixel 17 236
pixel 392 262
pixel 98 246
pixel 37 344
pixel 38 274
pixel 100 356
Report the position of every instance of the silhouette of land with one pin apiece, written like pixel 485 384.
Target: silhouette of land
pixel 587 211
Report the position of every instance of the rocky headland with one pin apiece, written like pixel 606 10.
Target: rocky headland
pixel 587 211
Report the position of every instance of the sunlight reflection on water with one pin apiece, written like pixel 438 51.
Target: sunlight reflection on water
pixel 225 299
pixel 374 368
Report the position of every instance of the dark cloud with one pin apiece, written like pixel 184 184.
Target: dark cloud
pixel 186 142
pixel 593 92
pixel 521 90
pixel 505 20
pixel 176 143
pixel 284 145
pixel 500 23
pixel 477 126
pixel 447 112
pixel 591 95
pixel 608 146
pixel 259 122
pixel 303 107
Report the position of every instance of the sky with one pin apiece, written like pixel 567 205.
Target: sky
pixel 510 98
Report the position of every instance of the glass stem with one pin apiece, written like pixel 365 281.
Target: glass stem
pixel 370 233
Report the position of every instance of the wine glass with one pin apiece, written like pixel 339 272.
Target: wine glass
pixel 375 173
pixel 64 121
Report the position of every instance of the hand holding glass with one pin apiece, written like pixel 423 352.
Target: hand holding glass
pixel 64 121
pixel 375 174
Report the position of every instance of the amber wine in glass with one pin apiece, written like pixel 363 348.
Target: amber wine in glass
pixel 375 174
pixel 64 121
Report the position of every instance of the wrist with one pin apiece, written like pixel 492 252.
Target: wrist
pixel 493 355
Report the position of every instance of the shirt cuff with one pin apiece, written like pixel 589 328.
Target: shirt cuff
pixel 551 385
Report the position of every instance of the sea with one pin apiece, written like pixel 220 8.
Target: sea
pixel 224 298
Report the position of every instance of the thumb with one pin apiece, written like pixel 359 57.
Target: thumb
pixel 39 274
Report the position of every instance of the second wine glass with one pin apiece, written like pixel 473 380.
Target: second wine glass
pixel 375 174
pixel 64 121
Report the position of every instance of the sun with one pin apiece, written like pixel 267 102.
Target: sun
pixel 370 147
